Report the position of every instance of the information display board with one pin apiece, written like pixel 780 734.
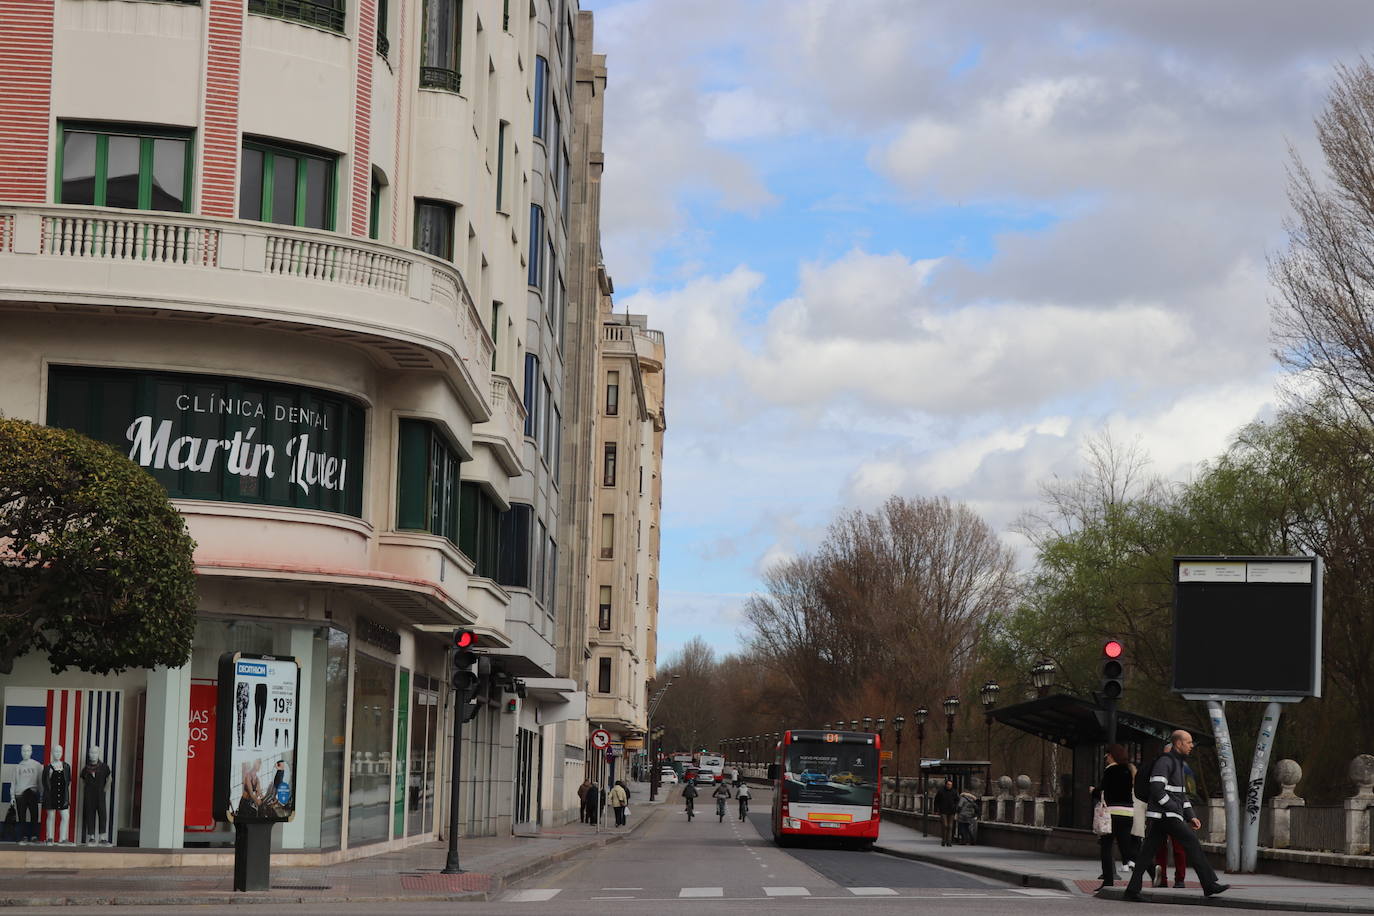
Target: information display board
pixel 255 748
pixel 1247 627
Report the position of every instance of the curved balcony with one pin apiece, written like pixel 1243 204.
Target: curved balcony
pixel 506 429
pixel 409 310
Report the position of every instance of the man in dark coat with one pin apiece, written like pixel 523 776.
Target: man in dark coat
pixel 947 806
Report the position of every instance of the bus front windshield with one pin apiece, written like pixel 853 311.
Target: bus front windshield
pixel 818 773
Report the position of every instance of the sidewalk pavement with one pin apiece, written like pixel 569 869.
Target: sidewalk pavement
pixel 1080 876
pixel 489 863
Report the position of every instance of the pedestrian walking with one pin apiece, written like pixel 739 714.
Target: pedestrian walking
pixel 1180 856
pixel 1116 795
pixel 967 817
pixel 582 799
pixel 1170 814
pixel 947 806
pixel 618 798
pixel 593 803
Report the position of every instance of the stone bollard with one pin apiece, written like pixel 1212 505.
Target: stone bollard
pixel 1004 799
pixel 1357 838
pixel 1288 774
pixel 1023 787
pixel 1214 831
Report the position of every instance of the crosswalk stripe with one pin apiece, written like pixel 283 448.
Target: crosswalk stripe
pixel 872 892
pixel 702 892
pixel 534 895
pixel 787 892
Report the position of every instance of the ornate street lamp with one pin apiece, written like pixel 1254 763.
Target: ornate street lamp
pixel 920 718
pixel 988 695
pixel 868 723
pixel 1042 675
pixel 879 724
pixel 853 725
pixel 951 709
pixel 897 723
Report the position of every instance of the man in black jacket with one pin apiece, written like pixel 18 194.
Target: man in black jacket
pixel 947 806
pixel 1170 813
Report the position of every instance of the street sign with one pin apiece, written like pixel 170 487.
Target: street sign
pixel 1247 626
pixel 601 739
pixel 885 755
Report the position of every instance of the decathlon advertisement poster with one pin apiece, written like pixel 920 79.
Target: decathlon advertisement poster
pixel 255 759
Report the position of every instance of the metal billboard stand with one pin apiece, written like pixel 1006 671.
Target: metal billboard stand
pixel 1253 598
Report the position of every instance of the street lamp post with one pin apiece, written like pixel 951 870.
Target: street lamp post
pixel 897 723
pixel 868 723
pixel 951 709
pixel 853 725
pixel 1042 675
pixel 988 695
pixel 920 716
pixel 655 771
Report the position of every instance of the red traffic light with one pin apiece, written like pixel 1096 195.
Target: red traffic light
pixel 464 639
pixel 1112 649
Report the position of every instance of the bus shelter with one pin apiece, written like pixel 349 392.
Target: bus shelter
pixel 1080 726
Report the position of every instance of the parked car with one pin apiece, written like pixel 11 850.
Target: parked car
pixel 667 777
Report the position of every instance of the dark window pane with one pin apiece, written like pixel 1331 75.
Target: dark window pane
pixel 317 193
pixel 169 175
pixel 121 173
pixel 434 229
pixel 283 189
pixel 250 188
pixel 78 168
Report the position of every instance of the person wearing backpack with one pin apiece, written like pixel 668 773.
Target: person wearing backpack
pixel 1170 813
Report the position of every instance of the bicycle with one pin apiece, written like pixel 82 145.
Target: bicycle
pixel 691 808
pixel 720 809
pixel 743 807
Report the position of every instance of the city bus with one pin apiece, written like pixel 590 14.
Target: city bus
pixel 826 784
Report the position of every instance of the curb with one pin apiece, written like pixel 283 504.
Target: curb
pixel 1011 876
pixel 1243 903
pixel 499 881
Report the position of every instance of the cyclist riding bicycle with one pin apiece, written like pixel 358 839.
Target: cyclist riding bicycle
pixel 720 795
pixel 743 796
pixel 689 792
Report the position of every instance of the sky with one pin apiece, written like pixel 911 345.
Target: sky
pixel 932 248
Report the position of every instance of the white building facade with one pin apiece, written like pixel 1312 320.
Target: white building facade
pixel 306 262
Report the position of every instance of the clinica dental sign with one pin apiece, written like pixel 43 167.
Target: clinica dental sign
pixel 209 437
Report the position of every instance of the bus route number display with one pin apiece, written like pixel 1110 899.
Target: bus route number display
pixel 255 759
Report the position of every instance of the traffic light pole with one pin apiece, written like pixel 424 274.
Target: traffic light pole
pixel 451 866
pixel 1111 721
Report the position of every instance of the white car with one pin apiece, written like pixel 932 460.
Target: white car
pixel 667 777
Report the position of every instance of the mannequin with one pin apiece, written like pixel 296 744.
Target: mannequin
pixel 95 776
pixel 28 775
pixel 57 795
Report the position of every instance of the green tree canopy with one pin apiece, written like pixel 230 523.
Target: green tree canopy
pixel 96 565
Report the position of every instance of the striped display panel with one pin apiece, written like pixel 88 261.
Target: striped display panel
pixel 26 44
pixel 223 57
pixel 362 118
pixel 102 729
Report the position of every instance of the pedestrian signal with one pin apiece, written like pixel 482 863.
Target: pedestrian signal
pixel 1113 671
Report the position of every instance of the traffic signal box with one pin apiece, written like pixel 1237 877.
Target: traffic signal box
pixel 462 660
pixel 1113 671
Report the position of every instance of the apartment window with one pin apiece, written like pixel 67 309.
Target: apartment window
pixel 374 209
pixel 531 392
pixel 562 312
pixel 536 272
pixel 603 675
pixel 427 485
pixel 608 465
pixel 547 409
pixel 612 394
pixel 325 14
pixel 641 480
pixel 556 144
pixel 505 15
pixel 551 265
pixel 501 165
pixel 557 442
pixel 133 168
pixel 383 43
pixel 479 530
pixel 495 332
pixel 442 54
pixel 552 557
pixel 607 536
pixel 603 615
pixel 540 568
pixel 514 567
pixel 287 185
pixel 434 228
pixel 563 189
pixel 541 91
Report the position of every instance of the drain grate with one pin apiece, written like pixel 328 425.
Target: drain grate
pixel 301 887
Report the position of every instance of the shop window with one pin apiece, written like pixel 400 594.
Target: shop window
pixel 434 228
pixel 287 185
pixel 442 54
pixel 427 481
pixel 425 735
pixel 374 710
pixel 603 615
pixel 603 675
pixel 136 168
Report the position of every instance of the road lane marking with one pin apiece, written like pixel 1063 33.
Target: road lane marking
pixel 787 892
pixel 1038 892
pixel 621 897
pixel 622 888
pixel 534 895
pixel 702 892
pixel 872 892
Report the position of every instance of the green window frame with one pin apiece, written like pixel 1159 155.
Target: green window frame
pixel 152 147
pixel 276 177
pixel 428 495
pixel 374 207
pixel 480 530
